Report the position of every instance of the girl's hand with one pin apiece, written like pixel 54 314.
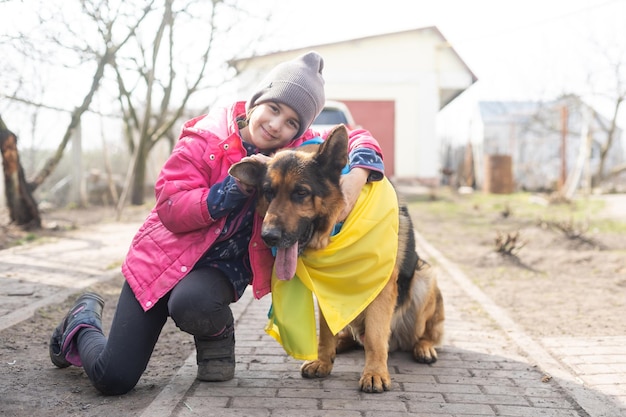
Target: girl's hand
pixel 351 185
pixel 257 157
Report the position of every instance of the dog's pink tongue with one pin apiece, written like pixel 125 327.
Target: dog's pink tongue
pixel 285 262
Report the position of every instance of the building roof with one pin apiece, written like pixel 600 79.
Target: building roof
pixel 447 92
pixel 238 62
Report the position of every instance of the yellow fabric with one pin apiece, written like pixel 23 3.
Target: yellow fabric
pixel 344 277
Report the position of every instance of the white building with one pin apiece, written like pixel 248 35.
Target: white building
pixel 394 85
pixel 543 140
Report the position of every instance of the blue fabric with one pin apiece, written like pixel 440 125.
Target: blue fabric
pixel 225 197
pixel 229 254
pixel 368 159
pixel 360 157
pixel 317 140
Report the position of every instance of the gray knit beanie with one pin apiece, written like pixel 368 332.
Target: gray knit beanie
pixel 298 84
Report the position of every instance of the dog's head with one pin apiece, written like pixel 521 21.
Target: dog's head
pixel 299 193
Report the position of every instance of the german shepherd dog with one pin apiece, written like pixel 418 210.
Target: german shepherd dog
pixel 300 197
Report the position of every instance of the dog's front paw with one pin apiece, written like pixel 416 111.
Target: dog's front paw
pixel 424 352
pixel 316 369
pixel 373 382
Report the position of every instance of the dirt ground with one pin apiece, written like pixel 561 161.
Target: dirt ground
pixel 566 277
pixel 554 285
pixel 32 386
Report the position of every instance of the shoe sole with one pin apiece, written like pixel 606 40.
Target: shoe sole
pixel 216 373
pixel 54 347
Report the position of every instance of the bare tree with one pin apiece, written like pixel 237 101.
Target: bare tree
pixel 158 81
pixel 601 102
pixel 616 96
pixel 22 206
pixel 157 53
pixel 145 127
pixel 595 131
pixel 608 84
pixel 101 57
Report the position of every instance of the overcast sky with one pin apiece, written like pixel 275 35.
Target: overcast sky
pixel 519 50
pixel 516 48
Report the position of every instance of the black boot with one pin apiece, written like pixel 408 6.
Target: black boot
pixel 216 356
pixel 86 313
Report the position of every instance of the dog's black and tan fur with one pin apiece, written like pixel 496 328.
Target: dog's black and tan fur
pixel 300 196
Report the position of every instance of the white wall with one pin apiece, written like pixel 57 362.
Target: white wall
pixel 409 68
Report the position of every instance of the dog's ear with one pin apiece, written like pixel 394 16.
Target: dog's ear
pixel 249 172
pixel 332 155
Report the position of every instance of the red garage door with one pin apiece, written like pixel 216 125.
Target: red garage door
pixel 379 118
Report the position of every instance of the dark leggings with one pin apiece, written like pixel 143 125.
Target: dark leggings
pixel 198 304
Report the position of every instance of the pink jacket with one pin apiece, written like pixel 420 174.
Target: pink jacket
pixel 179 229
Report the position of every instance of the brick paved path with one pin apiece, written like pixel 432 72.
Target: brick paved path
pixel 488 366
pixel 483 370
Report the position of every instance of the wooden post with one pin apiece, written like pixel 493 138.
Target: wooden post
pixel 77 186
pixel 564 119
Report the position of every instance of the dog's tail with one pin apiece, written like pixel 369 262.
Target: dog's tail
pixel 408 258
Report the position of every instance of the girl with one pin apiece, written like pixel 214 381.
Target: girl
pixel 200 246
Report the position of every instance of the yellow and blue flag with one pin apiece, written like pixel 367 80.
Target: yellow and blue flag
pixel 344 277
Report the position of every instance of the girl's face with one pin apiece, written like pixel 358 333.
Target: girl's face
pixel 271 126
